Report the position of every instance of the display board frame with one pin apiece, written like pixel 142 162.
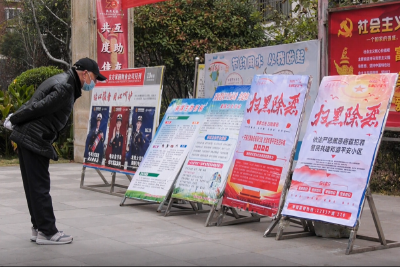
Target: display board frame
pixel 254 217
pixel 309 230
pixel 126 78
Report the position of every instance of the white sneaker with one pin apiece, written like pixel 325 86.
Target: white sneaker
pixel 34 234
pixel 58 239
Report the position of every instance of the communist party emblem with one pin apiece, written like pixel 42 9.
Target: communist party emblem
pixel 346 28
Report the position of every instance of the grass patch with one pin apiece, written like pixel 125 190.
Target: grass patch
pixel 14 161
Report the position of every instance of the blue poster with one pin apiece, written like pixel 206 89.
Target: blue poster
pixel 94 147
pixel 139 135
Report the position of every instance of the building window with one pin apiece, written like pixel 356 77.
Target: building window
pixel 267 7
pixel 11 12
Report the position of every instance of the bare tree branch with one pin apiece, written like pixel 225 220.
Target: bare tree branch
pixel 55 37
pixel 41 39
pixel 66 24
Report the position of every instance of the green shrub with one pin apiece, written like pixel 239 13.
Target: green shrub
pixel 35 76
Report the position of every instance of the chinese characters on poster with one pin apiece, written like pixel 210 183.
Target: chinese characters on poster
pixel 124 116
pixel 267 138
pixel 339 148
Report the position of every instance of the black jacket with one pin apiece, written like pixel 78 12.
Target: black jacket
pixel 38 122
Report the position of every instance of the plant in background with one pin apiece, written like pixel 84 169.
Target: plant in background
pixel 300 25
pixel 35 77
pixel 5 108
pixel 174 32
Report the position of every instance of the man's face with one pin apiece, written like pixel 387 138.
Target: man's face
pixel 138 125
pixel 98 124
pixel 118 125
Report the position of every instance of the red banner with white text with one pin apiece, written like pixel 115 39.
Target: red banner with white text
pixel 112 35
pixel 365 40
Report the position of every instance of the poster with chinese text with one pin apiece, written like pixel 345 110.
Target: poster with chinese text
pixel 128 93
pixel 267 138
pixel 117 137
pixel 140 135
pixel 166 154
pixel 366 40
pixel 203 176
pixel 97 135
pixel 339 148
pixel 200 88
pixel 112 35
pixel 239 67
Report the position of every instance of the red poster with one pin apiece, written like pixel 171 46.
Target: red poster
pixel 365 40
pixel 112 35
pixel 116 145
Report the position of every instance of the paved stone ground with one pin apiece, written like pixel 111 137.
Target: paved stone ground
pixel 106 234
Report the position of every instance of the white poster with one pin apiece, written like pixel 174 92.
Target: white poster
pixel 167 152
pixel 339 148
pixel 203 176
pixel 200 88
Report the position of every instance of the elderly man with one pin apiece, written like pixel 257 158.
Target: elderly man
pixel 36 125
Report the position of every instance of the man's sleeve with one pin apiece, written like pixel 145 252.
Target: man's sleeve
pixel 53 101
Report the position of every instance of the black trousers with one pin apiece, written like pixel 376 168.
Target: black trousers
pixel 36 179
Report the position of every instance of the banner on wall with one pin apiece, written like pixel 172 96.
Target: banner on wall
pixel 112 35
pixel 267 138
pixel 200 88
pixel 204 173
pixel 339 148
pixel 239 67
pixel 163 160
pixel 365 40
pixel 124 115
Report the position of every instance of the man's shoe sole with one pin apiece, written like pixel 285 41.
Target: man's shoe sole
pixel 48 242
pixel 33 238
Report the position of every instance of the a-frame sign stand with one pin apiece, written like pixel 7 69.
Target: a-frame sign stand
pixel 166 201
pixel 384 243
pixel 105 184
pixel 308 227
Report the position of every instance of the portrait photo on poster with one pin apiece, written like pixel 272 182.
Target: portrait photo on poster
pixel 140 134
pixel 97 134
pixel 116 145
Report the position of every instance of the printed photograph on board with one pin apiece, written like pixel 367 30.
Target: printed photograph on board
pixel 116 145
pixel 95 145
pixel 139 135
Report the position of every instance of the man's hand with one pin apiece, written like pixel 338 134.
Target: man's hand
pixel 7 123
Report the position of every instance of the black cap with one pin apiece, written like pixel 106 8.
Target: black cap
pixel 89 65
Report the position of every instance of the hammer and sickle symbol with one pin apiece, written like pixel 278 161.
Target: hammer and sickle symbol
pixel 347 27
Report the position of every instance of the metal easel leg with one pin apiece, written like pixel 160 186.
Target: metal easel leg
pixel 375 217
pixel 123 201
pixel 210 216
pixel 102 177
pixel 352 239
pixel 272 225
pixel 114 174
pixel 168 210
pixel 83 176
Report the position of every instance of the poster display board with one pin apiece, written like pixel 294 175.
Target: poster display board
pixel 239 67
pixel 200 88
pixel 366 40
pixel 163 160
pixel 339 148
pixel 267 138
pixel 203 176
pixel 123 118
pixel 112 35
